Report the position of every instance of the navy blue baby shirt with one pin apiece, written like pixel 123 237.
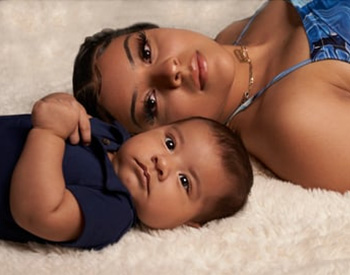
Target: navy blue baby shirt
pixel 104 201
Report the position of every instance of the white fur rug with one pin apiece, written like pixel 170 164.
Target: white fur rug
pixel 283 230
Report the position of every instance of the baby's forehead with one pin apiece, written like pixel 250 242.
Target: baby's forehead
pixel 197 130
pixel 193 122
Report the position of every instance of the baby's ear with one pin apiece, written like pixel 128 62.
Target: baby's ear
pixel 194 224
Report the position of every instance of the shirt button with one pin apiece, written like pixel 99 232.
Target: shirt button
pixel 106 141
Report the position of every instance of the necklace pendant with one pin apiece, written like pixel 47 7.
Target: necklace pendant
pixel 243 57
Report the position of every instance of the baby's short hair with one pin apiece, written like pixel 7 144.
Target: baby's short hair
pixel 238 168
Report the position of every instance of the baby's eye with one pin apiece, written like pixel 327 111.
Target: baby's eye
pixel 170 143
pixel 185 182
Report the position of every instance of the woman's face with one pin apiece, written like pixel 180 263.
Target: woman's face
pixel 158 76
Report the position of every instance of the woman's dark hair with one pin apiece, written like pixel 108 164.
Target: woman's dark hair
pixel 86 79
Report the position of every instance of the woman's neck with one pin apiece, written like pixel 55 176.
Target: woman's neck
pixel 250 67
pixel 269 47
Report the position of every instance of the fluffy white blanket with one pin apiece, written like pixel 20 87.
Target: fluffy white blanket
pixel 283 230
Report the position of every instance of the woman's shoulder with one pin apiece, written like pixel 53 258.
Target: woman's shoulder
pixel 260 26
pixel 305 117
pixel 230 33
pixel 310 87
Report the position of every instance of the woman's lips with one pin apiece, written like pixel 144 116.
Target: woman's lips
pixel 199 67
pixel 202 70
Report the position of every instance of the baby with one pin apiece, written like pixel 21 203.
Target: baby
pixel 61 185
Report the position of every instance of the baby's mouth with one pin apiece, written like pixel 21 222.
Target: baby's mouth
pixel 145 176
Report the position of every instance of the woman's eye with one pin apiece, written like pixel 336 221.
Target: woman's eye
pixel 144 48
pixel 170 144
pixel 185 182
pixel 150 107
pixel 146 54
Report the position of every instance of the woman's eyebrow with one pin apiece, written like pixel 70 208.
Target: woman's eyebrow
pixel 134 94
pixel 127 51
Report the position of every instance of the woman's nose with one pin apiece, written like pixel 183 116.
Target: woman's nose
pixel 162 167
pixel 168 74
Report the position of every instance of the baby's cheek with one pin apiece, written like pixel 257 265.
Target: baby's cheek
pixel 128 178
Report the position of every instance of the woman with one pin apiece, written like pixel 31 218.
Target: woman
pixel 281 79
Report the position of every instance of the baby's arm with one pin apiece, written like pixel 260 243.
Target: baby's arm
pixel 39 201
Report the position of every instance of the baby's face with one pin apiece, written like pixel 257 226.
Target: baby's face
pixel 172 172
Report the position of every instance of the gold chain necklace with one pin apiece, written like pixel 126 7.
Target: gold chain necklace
pixel 243 57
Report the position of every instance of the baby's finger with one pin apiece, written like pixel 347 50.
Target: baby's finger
pixel 85 128
pixel 74 137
